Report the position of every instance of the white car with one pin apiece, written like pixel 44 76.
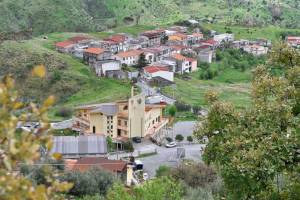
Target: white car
pixel 171 145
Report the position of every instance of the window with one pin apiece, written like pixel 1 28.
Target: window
pixel 94 129
pixel 125 107
pixel 125 122
pixel 119 122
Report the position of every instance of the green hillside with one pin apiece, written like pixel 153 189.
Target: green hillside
pixel 44 16
pixel 72 82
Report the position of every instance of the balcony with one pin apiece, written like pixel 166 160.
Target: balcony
pixel 157 127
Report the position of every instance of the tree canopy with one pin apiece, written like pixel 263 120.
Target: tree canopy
pixel 252 147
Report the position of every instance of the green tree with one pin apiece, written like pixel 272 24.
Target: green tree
pixel 251 147
pixel 190 138
pixel 142 62
pixel 179 138
pixel 164 187
pixel 19 146
pixel 91 182
pixel 110 143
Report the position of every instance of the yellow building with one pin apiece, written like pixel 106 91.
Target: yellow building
pixel 122 119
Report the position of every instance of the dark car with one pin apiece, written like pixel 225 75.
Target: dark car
pixel 137 139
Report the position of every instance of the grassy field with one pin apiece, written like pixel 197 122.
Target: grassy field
pixel 91 89
pixel 270 32
pixel 193 91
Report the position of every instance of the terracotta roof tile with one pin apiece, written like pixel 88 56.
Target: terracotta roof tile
pixel 178 56
pixel 96 51
pixel 64 44
pixel 86 163
pixel 129 53
pixel 153 69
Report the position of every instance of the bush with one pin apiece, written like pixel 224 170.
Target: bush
pixel 195 175
pixel 189 138
pixel 198 194
pixel 92 182
pixel 172 111
pixel 179 138
pixel 64 112
pixel 163 170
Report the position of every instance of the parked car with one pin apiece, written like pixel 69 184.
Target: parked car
pixel 171 145
pixel 137 139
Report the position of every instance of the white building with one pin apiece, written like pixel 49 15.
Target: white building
pixel 129 58
pixel 225 37
pixel 101 67
pixel 256 49
pixel 158 71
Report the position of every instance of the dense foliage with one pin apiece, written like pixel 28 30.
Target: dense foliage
pixel 162 188
pixel 229 59
pixel 94 181
pixel 20 147
pixel 252 148
pixel 44 16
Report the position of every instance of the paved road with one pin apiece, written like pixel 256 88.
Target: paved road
pixel 168 156
pixel 149 91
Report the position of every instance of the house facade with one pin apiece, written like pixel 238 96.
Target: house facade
pixel 154 36
pixel 129 58
pixel 93 54
pixel 256 50
pixel 103 66
pixel 121 120
pixel 184 64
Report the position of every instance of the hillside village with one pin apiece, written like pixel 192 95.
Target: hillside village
pixel 165 52
pixel 153 58
pixel 119 136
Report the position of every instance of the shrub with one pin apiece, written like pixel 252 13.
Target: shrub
pixel 91 182
pixel 172 111
pixel 195 175
pixel 179 138
pixel 163 170
pixel 189 138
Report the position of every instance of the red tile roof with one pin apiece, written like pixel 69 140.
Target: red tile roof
pixel 117 38
pixel 64 44
pixel 210 41
pixel 178 56
pixel 153 69
pixel 178 47
pixel 129 53
pixel 86 163
pixel 190 59
pixel 96 51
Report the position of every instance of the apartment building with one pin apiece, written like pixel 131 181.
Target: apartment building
pixel 122 119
